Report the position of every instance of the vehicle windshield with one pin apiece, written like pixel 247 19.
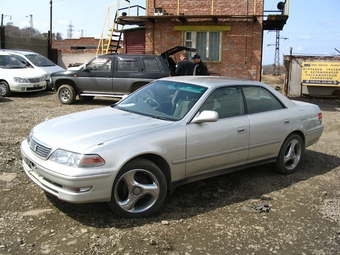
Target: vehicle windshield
pixel 39 60
pixel 9 62
pixel 162 99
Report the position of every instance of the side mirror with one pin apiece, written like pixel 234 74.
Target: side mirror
pixel 26 63
pixel 206 116
pixel 86 68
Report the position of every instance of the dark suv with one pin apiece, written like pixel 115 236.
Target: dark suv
pixel 113 75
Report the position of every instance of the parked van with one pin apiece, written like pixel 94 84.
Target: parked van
pixel 17 77
pixel 38 62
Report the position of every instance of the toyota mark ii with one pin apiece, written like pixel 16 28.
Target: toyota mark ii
pixel 173 131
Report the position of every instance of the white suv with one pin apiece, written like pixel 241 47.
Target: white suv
pixel 17 77
pixel 36 61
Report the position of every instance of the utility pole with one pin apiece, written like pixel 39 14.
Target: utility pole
pixel 277 54
pixel 31 25
pixel 2 31
pixel 70 31
pixel 82 32
pixel 50 33
pixel 276 66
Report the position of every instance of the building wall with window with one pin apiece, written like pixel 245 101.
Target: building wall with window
pixel 227 34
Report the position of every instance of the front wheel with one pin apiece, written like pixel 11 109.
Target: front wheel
pixel 290 155
pixel 139 189
pixel 66 94
pixel 4 89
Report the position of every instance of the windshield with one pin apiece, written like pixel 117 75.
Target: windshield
pixel 162 99
pixel 39 60
pixel 10 62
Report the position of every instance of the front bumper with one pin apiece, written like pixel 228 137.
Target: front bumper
pixel 91 186
pixel 28 87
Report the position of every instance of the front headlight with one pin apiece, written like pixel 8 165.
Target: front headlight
pixel 20 80
pixel 47 77
pixel 29 137
pixel 76 160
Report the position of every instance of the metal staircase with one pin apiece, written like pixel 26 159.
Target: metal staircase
pixel 113 42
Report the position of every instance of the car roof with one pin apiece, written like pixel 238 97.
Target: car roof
pixel 212 81
pixel 23 52
pixel 168 52
pixel 126 55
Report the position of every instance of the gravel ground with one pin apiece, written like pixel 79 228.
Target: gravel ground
pixel 300 212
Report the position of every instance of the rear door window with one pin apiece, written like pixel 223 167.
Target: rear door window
pixel 152 65
pixel 259 99
pixel 127 65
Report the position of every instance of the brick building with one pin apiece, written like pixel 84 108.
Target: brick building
pixel 227 34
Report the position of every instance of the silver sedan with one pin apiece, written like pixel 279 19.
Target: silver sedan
pixel 170 132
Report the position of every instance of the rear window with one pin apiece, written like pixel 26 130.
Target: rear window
pixel 39 60
pixel 127 65
pixel 152 65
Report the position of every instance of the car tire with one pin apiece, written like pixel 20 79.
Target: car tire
pixel 66 94
pixel 5 91
pixel 290 155
pixel 139 189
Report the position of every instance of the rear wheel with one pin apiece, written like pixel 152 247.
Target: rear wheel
pixel 4 89
pixel 139 189
pixel 290 155
pixel 66 94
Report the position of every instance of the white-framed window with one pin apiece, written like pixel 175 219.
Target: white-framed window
pixel 208 44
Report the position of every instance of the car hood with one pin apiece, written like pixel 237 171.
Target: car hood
pixel 80 131
pixel 51 69
pixel 20 72
pixel 70 73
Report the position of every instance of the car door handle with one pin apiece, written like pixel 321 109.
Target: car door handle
pixel 241 130
pixel 287 121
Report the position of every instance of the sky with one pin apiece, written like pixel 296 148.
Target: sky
pixel 313 26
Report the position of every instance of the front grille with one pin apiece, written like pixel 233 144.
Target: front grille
pixel 34 80
pixel 39 149
pixel 34 88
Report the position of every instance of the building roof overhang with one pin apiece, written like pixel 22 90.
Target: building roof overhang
pixel 273 22
pixel 184 19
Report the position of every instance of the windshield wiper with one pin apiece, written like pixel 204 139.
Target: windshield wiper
pixel 122 109
pixel 160 118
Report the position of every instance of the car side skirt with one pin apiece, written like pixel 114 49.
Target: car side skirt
pixel 176 184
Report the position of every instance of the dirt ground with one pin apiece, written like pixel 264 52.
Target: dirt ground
pixel 214 216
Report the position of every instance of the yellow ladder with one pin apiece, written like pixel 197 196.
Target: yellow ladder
pixel 112 43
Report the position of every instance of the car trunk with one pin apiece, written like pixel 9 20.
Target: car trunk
pixel 172 61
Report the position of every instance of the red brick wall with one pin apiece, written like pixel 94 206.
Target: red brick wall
pixel 65 45
pixel 207 7
pixel 241 47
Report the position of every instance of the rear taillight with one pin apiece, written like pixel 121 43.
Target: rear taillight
pixel 320 117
